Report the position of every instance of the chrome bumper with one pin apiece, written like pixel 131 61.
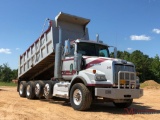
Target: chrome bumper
pixel 115 93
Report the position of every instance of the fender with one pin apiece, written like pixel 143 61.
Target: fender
pixel 86 79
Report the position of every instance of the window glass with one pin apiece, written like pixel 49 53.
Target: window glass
pixel 72 50
pixel 91 49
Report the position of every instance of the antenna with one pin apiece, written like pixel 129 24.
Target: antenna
pixel 47 19
pixel 116 39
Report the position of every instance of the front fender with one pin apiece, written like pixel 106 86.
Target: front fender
pixel 83 77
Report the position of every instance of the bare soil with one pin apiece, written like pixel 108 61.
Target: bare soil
pixel 13 107
pixel 150 84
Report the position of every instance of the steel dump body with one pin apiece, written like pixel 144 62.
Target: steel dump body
pixel 37 62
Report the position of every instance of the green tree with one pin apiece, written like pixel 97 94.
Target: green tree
pixel 126 55
pixel 6 74
pixel 142 63
pixel 148 68
pixel 155 67
pixel 14 74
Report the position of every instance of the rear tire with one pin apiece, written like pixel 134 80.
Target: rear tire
pixel 30 90
pixel 123 105
pixel 80 97
pixel 22 89
pixel 48 90
pixel 39 85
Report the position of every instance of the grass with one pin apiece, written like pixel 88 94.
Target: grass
pixel 146 85
pixel 143 85
pixel 7 84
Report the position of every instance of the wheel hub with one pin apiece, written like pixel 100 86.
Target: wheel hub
pixel 77 97
pixel 21 89
pixel 46 89
pixel 28 90
pixel 37 88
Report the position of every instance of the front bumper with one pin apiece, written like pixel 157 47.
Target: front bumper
pixel 114 93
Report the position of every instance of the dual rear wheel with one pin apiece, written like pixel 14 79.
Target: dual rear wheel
pixel 22 88
pixel 39 85
pixel 27 89
pixel 30 91
pixel 37 89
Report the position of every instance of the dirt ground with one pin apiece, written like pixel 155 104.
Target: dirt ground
pixel 13 107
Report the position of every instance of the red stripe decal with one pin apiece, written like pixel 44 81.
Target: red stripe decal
pixel 94 62
pixel 67 72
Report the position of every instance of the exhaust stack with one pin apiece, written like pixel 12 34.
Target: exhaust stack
pixel 97 37
pixel 58 57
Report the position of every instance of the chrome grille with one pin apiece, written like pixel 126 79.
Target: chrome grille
pixel 121 67
pixel 127 76
pixel 126 80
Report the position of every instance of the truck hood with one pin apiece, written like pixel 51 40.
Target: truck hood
pixel 107 66
pixel 91 61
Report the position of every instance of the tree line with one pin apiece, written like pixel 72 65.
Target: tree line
pixel 7 74
pixel 146 67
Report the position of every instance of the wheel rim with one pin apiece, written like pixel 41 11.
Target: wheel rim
pixel 37 89
pixel 28 90
pixel 77 97
pixel 46 89
pixel 21 89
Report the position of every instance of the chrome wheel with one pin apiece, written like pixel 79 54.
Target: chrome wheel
pixel 37 89
pixel 77 97
pixel 21 89
pixel 80 97
pixel 28 90
pixel 46 89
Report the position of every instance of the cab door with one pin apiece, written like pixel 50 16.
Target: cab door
pixel 67 65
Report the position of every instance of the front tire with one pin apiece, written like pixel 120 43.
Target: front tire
pixel 124 105
pixel 80 97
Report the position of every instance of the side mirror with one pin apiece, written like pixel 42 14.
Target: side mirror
pixel 115 52
pixel 67 48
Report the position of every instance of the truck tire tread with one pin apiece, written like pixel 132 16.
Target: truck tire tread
pixel 86 97
pixel 24 84
pixel 123 105
pixel 41 91
pixel 31 90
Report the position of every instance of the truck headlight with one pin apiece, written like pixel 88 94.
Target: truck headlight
pixel 100 78
pixel 137 80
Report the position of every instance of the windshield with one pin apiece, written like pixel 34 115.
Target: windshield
pixel 91 49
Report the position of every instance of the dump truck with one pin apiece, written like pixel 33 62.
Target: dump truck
pixel 64 63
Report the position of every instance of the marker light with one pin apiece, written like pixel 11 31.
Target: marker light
pixel 94 71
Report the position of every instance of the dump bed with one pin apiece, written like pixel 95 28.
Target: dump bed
pixel 37 62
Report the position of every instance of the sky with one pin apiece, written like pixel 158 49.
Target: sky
pixel 127 24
